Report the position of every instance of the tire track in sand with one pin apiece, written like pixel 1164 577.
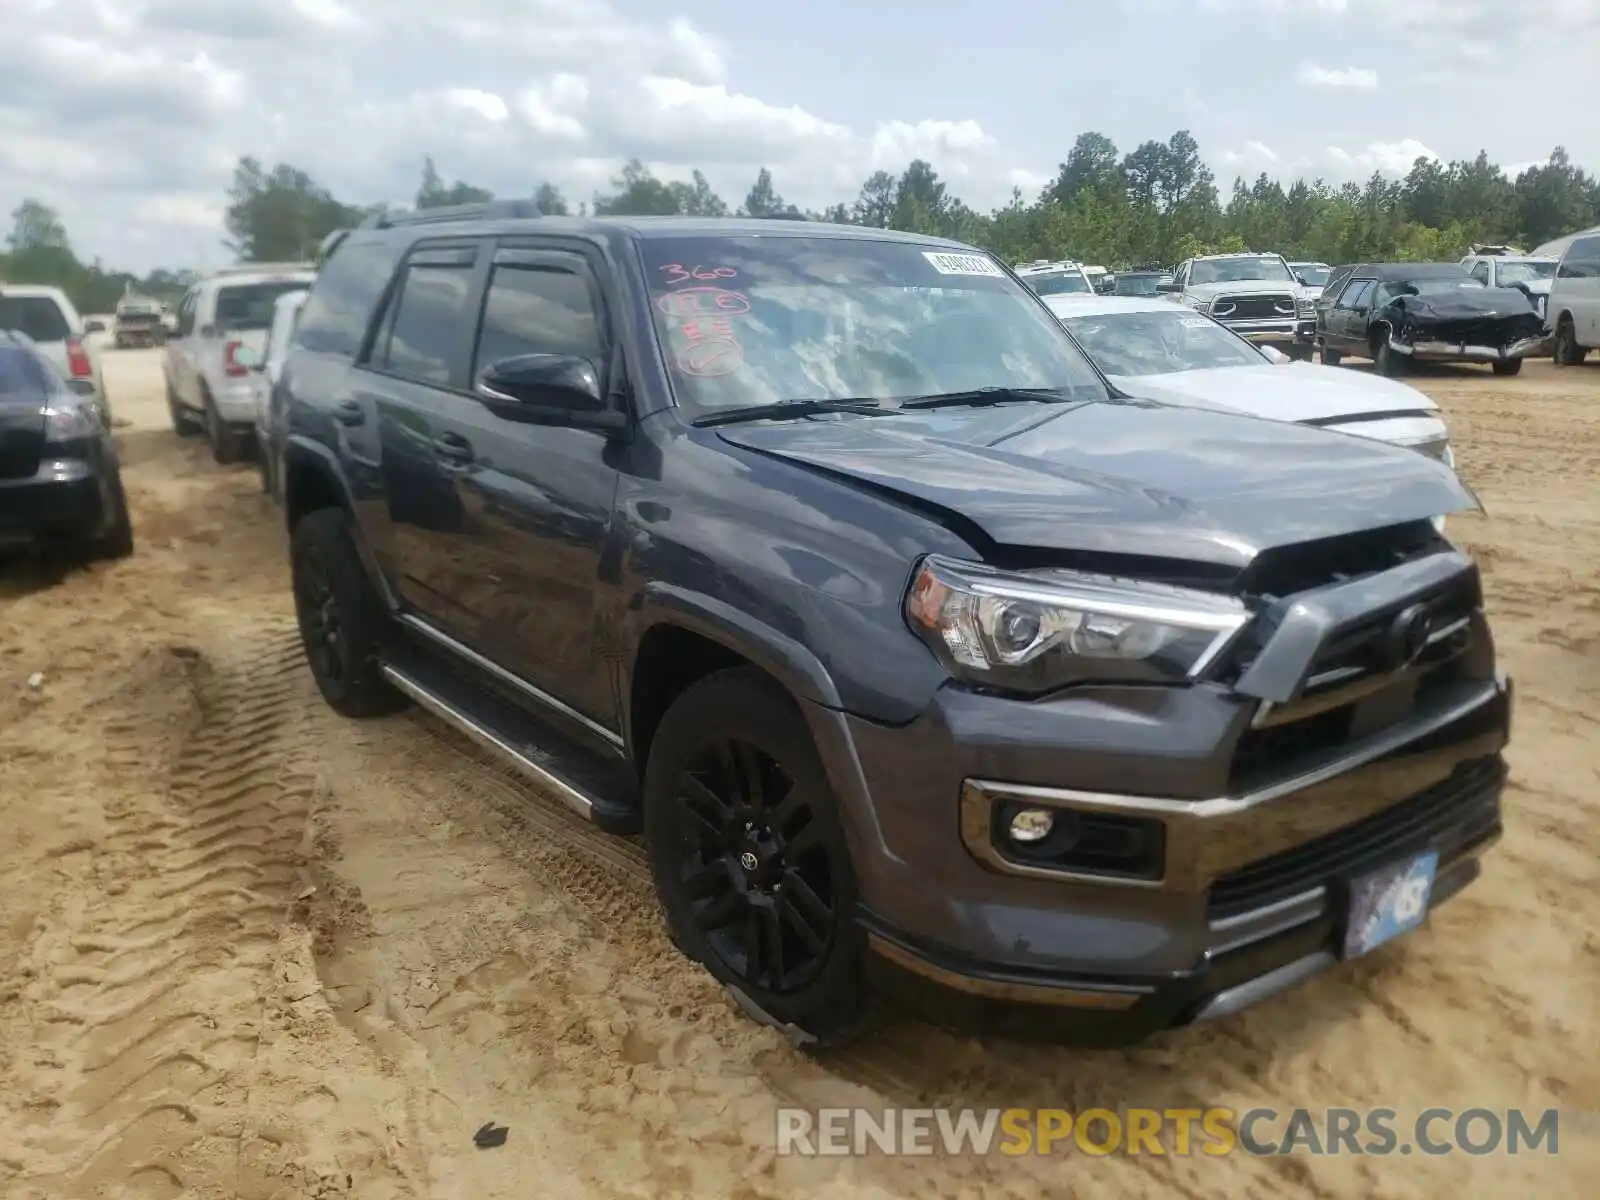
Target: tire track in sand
pixel 152 1006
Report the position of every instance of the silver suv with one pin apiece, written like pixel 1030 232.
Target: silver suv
pixel 222 327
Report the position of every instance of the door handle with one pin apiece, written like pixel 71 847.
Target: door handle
pixel 349 412
pixel 453 448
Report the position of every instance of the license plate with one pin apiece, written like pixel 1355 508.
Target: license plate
pixel 1389 902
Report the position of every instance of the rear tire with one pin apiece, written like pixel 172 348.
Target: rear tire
pixel 116 542
pixel 1512 366
pixel 227 447
pixel 183 424
pixel 341 616
pixel 732 780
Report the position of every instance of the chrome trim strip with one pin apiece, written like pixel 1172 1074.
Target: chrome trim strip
pixel 1253 991
pixel 1315 894
pixel 614 740
pixel 445 711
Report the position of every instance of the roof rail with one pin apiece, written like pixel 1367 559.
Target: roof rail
pixel 494 210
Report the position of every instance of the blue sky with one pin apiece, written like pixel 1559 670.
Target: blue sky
pixel 128 115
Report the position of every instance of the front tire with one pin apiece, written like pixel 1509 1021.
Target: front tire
pixel 1567 352
pixel 1388 362
pixel 1510 366
pixel 183 424
pixel 749 854
pixel 117 541
pixel 341 616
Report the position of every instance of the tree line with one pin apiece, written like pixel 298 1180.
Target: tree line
pixel 1157 203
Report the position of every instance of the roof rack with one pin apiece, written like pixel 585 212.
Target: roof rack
pixel 494 210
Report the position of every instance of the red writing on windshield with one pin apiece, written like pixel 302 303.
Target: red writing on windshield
pixel 688 303
pixel 678 273
pixel 712 357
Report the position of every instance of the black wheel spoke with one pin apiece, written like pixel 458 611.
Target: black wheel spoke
pixel 804 840
pixel 722 912
pixel 748 765
pixel 705 806
pixel 787 908
pixel 730 774
pixel 754 960
pixel 710 880
pixel 806 903
pixel 788 804
pixel 772 931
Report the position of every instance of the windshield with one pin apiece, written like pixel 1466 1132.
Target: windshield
pixel 249 305
pixel 1139 284
pixel 1316 275
pixel 1159 343
pixel 1058 283
pixel 39 317
pixel 760 320
pixel 1240 270
pixel 1525 272
pixel 1436 286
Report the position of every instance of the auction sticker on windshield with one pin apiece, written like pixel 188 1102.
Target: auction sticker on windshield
pixel 963 264
pixel 1194 322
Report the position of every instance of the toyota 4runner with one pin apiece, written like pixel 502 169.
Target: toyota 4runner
pixel 823 558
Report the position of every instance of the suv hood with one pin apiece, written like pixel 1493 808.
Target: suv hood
pixel 1287 392
pixel 1125 478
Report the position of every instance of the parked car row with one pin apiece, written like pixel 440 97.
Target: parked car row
pixel 836 561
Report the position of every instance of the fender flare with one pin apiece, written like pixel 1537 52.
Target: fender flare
pixel 798 670
pixel 303 453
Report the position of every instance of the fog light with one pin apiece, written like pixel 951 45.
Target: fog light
pixel 1029 825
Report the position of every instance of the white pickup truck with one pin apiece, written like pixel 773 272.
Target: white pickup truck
pixel 207 369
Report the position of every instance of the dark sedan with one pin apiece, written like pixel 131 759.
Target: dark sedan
pixel 60 484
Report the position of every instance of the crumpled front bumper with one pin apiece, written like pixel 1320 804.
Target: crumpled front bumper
pixel 1435 350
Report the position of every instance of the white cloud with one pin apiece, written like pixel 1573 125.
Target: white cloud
pixel 1389 158
pixel 1356 78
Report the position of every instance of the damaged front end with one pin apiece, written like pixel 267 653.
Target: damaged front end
pixel 1484 325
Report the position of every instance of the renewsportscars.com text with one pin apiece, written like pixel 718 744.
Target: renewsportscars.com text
pixel 842 1132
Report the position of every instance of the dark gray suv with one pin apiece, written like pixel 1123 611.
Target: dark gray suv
pixel 823 558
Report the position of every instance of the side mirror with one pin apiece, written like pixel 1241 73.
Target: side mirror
pixel 548 389
pixel 94 325
pixel 1167 285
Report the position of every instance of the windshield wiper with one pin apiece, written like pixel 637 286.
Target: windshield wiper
pixel 786 410
pixel 981 397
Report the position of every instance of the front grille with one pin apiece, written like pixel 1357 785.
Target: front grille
pixel 1359 650
pixel 1253 308
pixel 1449 817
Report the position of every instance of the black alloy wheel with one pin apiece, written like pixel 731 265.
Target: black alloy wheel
pixel 755 866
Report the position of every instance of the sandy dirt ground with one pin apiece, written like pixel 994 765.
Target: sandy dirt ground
pixel 249 949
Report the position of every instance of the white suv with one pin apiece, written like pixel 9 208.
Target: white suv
pixel 52 323
pixel 1572 310
pixel 222 327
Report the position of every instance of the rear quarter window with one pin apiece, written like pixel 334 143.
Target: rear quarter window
pixel 345 297
pixel 39 317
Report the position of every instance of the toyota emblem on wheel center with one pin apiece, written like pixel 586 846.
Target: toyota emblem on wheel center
pixel 749 861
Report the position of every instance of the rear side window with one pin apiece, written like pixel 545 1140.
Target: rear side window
pixel 39 317
pixel 249 305
pixel 537 310
pixel 21 374
pixel 342 302
pixel 427 322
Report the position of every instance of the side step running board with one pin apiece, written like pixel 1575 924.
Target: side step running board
pixel 598 791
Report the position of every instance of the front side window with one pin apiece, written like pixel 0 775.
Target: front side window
pixel 762 320
pixel 1244 269
pixel 1582 260
pixel 1160 343
pixel 1356 295
pixel 542 309
pixel 426 325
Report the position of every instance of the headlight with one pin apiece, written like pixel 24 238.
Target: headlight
pixel 1308 308
pixel 1037 631
pixel 66 421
